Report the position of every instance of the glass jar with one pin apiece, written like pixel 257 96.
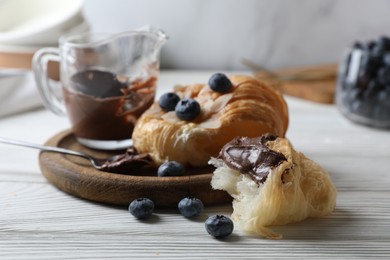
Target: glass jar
pixel 363 87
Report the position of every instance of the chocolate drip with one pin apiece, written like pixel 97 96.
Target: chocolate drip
pixel 126 162
pixel 252 156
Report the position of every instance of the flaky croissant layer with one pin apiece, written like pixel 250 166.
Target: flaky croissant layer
pixel 297 189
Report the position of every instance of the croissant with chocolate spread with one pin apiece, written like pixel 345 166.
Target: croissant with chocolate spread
pixel 248 108
pixel 271 184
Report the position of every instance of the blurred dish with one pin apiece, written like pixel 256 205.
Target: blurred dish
pixel 17 93
pixel 10 79
pixel 39 22
pixel 17 57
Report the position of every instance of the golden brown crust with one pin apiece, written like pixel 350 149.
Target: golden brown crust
pixel 250 109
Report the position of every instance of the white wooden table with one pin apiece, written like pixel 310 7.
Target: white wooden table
pixel 37 221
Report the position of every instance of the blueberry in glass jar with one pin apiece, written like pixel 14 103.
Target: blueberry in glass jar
pixel 383 76
pixel 364 83
pixel 386 59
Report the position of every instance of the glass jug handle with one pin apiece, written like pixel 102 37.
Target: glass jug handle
pixel 40 69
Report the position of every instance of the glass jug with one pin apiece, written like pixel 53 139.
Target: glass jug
pixel 107 82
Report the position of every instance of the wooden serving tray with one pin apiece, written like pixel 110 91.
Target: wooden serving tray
pixel 77 177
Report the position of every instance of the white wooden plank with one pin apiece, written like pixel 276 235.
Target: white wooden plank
pixel 37 221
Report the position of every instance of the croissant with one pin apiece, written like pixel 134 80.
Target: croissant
pixel 275 185
pixel 250 108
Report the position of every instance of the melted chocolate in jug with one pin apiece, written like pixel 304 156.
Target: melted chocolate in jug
pixel 102 107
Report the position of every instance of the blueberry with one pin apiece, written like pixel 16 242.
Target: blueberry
pixel 190 207
pixel 361 108
pixel 187 109
pixel 386 59
pixel 384 75
pixel 370 45
pixel 220 83
pixel 371 63
pixel 372 90
pixel 357 45
pixel 369 66
pixel 383 45
pixel 384 96
pixel 168 101
pixel 219 226
pixel 384 40
pixel 382 111
pixel 171 168
pixel 349 96
pixel 141 208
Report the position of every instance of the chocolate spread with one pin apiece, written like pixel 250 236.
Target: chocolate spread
pixel 252 156
pixel 103 107
pixel 126 162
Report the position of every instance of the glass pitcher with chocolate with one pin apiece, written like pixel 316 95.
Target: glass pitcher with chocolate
pixel 107 82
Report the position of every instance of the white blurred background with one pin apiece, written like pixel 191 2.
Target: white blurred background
pixel 218 34
pixel 204 34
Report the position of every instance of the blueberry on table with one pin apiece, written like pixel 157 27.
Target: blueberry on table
pixel 187 109
pixel 171 168
pixel 190 207
pixel 219 82
pixel 141 208
pixel 219 226
pixel 168 101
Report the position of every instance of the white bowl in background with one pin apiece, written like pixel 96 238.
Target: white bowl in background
pixel 39 22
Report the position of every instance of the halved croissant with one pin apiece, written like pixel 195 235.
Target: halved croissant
pixel 250 108
pixel 296 189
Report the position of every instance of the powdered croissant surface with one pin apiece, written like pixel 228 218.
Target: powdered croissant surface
pixel 271 184
pixel 250 108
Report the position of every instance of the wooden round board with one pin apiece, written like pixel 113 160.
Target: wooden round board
pixel 77 177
